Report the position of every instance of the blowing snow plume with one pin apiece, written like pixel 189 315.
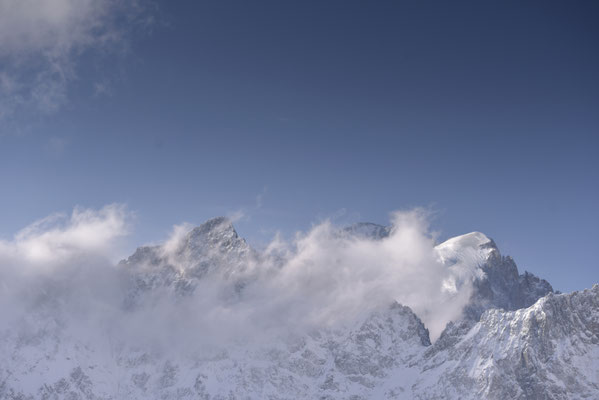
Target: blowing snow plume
pixel 207 286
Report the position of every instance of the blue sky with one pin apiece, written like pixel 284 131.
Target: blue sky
pixel 293 112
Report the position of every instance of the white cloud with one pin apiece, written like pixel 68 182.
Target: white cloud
pixel 42 40
pixel 321 278
pixel 327 278
pixel 62 261
pixel 58 239
pixel 237 215
pixel 260 198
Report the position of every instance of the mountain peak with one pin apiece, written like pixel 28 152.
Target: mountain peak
pixel 215 230
pixel 475 240
pixel 368 230
pixel 217 224
pixel 216 233
pixel 213 237
pixel 473 246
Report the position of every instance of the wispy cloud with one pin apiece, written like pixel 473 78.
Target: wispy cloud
pixel 245 213
pixel 260 198
pixel 41 43
pixel 60 238
pixel 321 278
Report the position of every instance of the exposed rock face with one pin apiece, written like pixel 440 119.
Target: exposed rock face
pixel 500 285
pixel 213 247
pixel 212 250
pixel 517 340
pixel 368 230
pixel 547 351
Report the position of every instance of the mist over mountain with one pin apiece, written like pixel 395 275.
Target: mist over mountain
pixel 284 130
pixel 358 312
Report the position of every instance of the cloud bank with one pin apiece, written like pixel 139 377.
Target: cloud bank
pixel 58 269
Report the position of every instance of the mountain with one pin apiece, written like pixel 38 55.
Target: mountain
pixel 499 284
pixel 368 230
pixel 212 250
pixel 549 350
pixel 213 247
pixel 517 339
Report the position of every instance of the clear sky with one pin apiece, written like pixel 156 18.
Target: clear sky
pixel 486 112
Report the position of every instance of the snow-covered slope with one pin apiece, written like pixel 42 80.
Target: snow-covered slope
pixel 498 284
pixel 516 340
pixel 549 350
pixel 358 359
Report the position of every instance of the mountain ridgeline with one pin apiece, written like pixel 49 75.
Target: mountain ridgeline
pixel 516 338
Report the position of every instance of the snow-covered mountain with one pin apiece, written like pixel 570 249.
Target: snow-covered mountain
pixel 516 338
pixel 500 285
pixel 549 350
pixel 212 250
